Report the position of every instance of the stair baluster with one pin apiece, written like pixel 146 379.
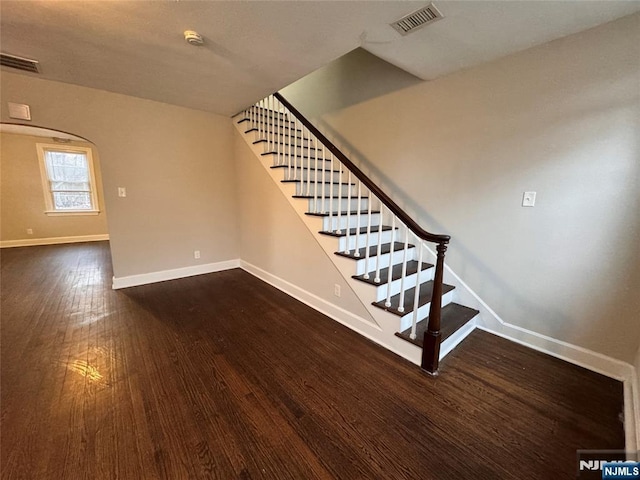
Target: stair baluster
pixel 323 207
pixel 404 269
pixel 347 247
pixel 356 252
pixel 367 240
pixel 376 278
pixel 291 149
pixel 387 302
pixel 416 300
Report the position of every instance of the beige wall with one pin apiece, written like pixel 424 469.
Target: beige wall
pixel 176 164
pixel 22 200
pixel 561 119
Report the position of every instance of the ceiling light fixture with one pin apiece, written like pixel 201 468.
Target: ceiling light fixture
pixel 193 38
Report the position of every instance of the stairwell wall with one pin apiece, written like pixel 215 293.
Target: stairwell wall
pixel 561 119
pixel 176 164
pixel 274 239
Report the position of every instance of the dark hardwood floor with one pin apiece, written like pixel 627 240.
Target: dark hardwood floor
pixel 223 376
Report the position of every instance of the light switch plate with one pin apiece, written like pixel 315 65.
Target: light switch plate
pixel 122 192
pixel 529 199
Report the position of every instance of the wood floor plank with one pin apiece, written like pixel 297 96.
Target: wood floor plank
pixel 223 376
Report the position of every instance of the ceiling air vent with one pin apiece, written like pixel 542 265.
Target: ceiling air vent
pixel 417 19
pixel 19 63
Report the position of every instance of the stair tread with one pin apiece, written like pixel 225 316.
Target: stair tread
pixel 352 231
pixel 287 144
pixel 282 124
pixel 305 168
pixel 313 181
pixel 396 273
pixel 373 250
pixel 297 155
pixel 255 129
pixel 453 317
pixel 335 214
pixel 311 197
pixel 426 292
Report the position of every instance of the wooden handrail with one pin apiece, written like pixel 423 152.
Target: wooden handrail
pixel 384 198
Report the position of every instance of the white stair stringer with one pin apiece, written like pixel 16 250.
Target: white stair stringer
pixel 388 324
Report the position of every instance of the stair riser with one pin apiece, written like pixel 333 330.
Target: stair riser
pixel 280 135
pixel 330 189
pixel 312 174
pixel 279 160
pixel 268 125
pixel 346 221
pixel 258 113
pixel 282 142
pixel 359 241
pixel 423 311
pixel 409 282
pixel 283 151
pixel 335 204
pixel 363 266
pixel 283 130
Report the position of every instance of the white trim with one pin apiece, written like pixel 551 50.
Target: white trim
pixel 632 414
pixel 491 322
pixel 588 359
pixel 332 311
pixel 163 275
pixel 456 338
pixel 577 355
pixel 635 402
pixel 41 149
pixel 32 242
pixel 62 213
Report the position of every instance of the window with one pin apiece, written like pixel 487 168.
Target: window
pixel 68 180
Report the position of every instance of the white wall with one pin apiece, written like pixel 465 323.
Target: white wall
pixel 176 164
pixel 561 119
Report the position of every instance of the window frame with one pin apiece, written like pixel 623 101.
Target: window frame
pixel 46 183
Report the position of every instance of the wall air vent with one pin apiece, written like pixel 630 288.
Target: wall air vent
pixel 418 19
pixel 19 63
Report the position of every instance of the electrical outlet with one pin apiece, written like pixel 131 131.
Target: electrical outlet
pixel 528 199
pixel 29 231
pixel 336 290
pixel 196 254
pixel 122 192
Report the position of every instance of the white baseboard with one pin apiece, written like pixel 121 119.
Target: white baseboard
pixel 339 314
pixel 632 414
pixel 491 322
pixel 580 356
pixel 163 275
pixel 32 242
pixel 588 359
pixel 456 338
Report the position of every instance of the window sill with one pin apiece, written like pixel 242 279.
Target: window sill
pixel 70 213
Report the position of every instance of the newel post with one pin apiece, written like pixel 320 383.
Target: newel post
pixel 431 341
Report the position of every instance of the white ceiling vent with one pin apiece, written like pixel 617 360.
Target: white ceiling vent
pixel 417 19
pixel 19 63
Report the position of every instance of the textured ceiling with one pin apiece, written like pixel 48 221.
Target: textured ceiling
pixel 254 48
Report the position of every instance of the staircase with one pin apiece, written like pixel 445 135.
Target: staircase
pixel 389 251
